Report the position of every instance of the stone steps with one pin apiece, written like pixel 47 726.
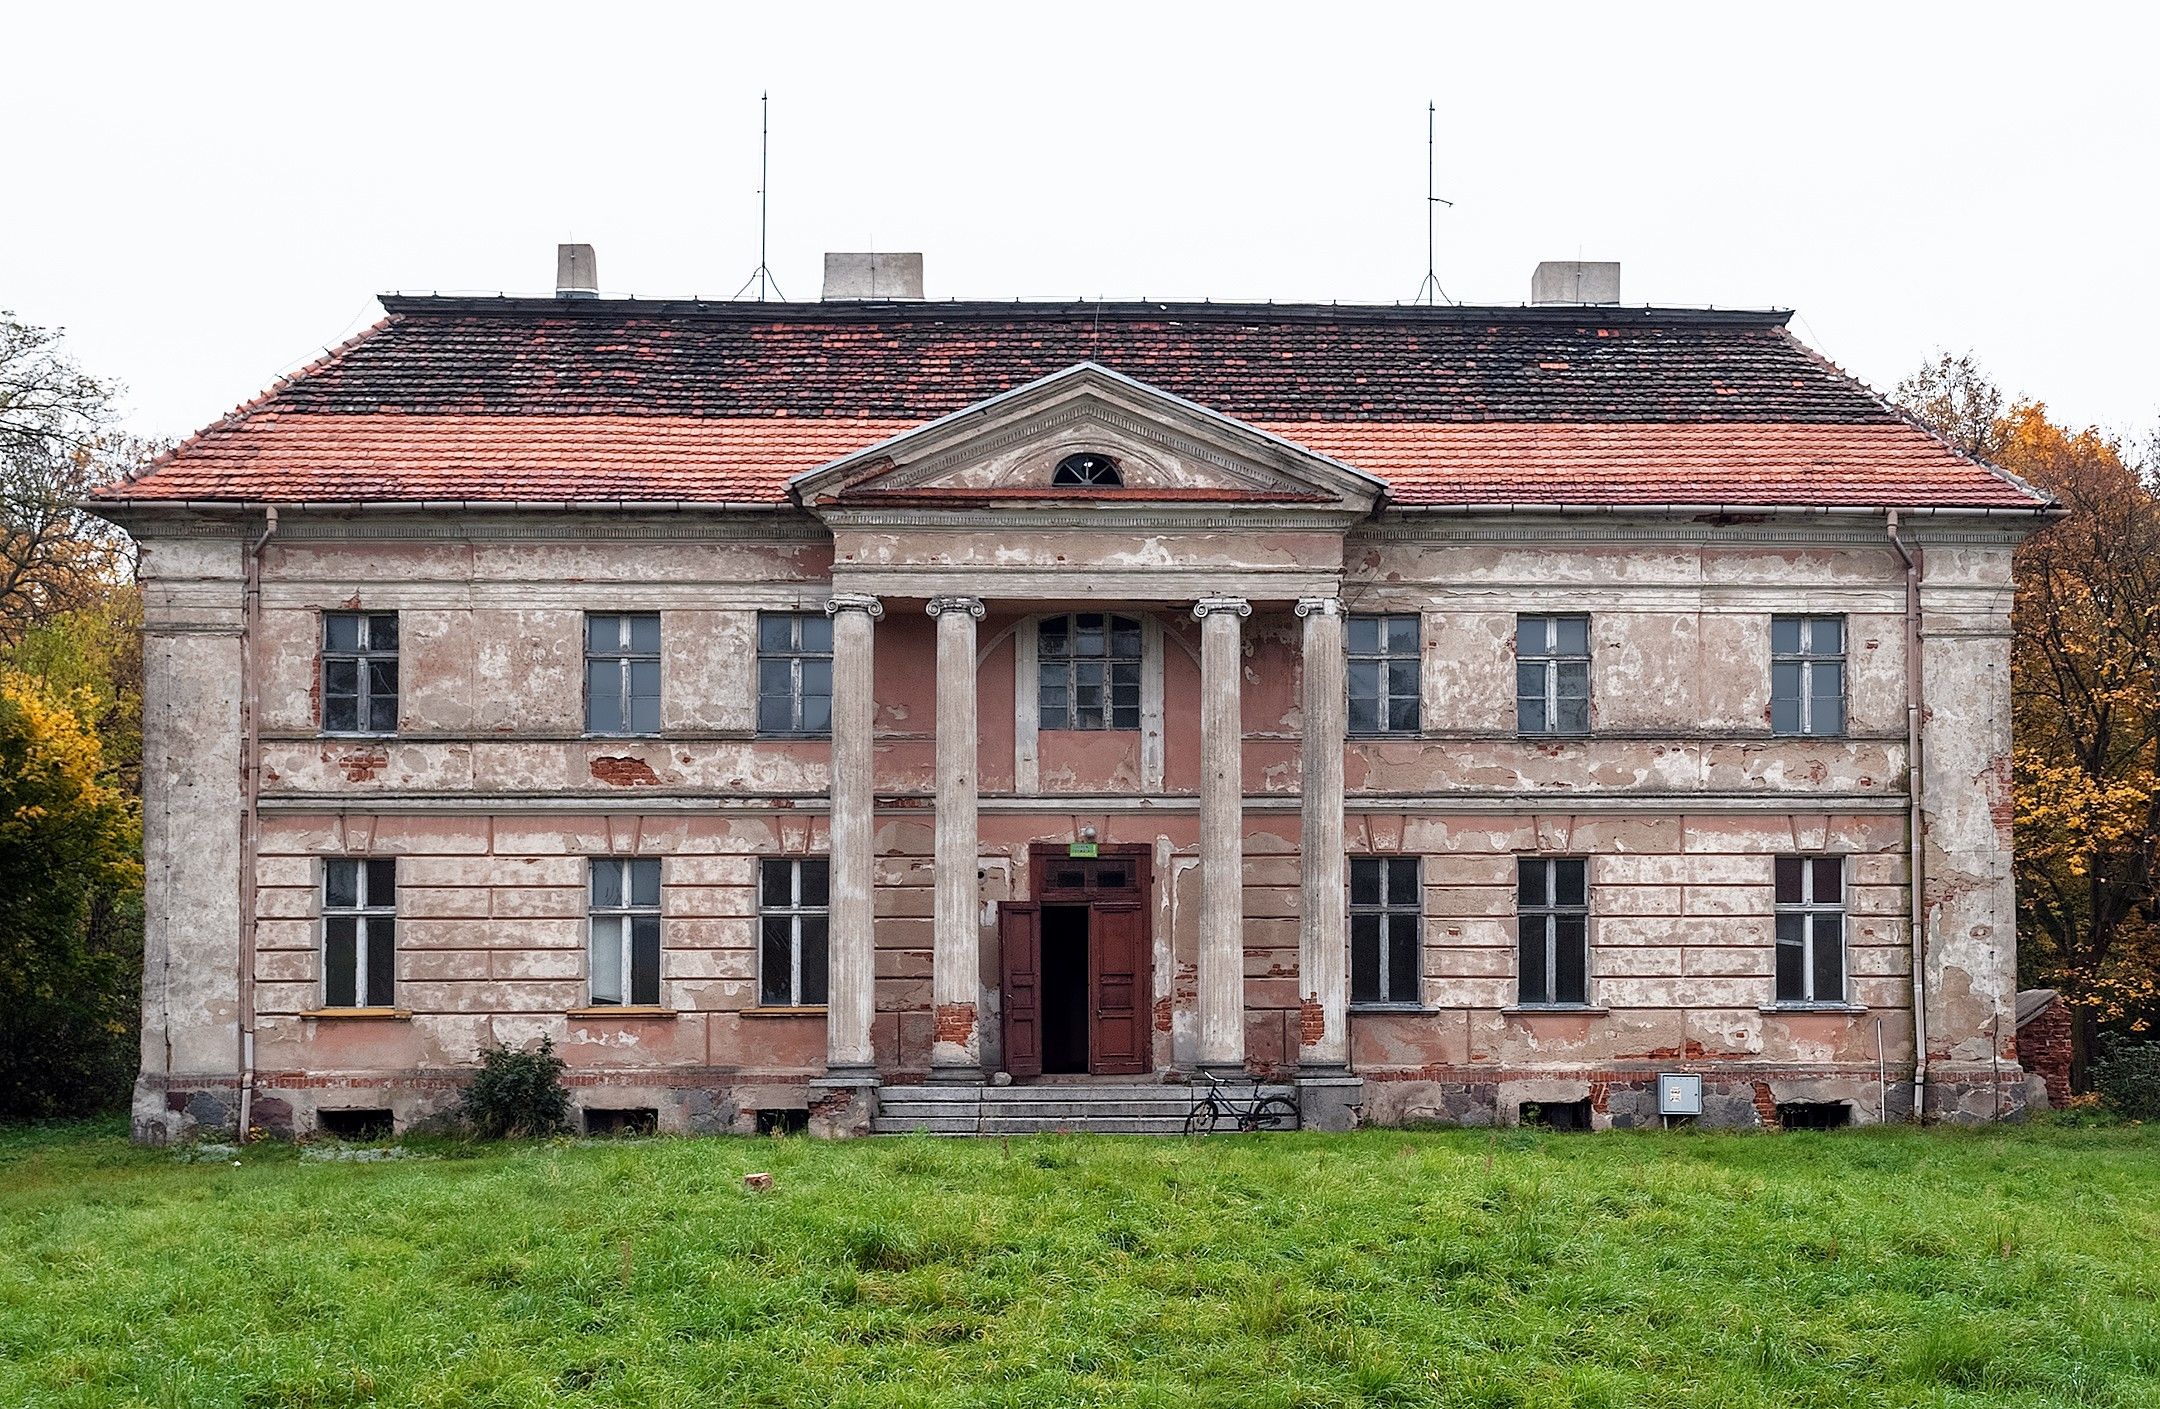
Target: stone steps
pixel 1136 1109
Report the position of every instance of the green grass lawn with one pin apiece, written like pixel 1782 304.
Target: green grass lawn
pixel 1461 1268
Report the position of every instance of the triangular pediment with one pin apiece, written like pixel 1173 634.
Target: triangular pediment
pixel 1166 449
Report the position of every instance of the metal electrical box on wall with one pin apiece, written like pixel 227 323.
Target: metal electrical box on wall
pixel 1679 1093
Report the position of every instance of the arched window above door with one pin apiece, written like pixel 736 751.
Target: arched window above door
pixel 1087 469
pixel 1088 671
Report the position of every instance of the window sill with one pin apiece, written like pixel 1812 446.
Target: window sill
pixel 364 1014
pixel 357 735
pixel 625 1010
pixel 807 1010
pixel 1555 1010
pixel 1392 1008
pixel 1813 1008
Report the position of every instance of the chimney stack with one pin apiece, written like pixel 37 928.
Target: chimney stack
pixel 1576 281
pixel 873 276
pixel 577 273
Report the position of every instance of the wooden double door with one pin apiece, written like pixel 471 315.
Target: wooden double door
pixel 1077 966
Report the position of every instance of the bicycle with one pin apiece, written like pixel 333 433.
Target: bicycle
pixel 1221 1109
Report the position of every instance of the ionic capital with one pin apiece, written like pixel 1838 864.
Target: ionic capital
pixel 1209 606
pixel 855 602
pixel 1319 606
pixel 973 606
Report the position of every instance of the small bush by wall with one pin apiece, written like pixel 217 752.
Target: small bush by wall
pixel 518 1094
pixel 2128 1079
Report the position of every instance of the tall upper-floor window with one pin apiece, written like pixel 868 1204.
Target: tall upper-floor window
pixel 1810 903
pixel 794 673
pixel 792 895
pixel 1807 675
pixel 359 672
pixel 1552 674
pixel 359 909
pixel 1552 906
pixel 1088 671
pixel 1384 929
pixel 622 673
pixel 1383 671
pixel 625 919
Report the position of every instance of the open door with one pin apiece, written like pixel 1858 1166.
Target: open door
pixel 1020 966
pixel 1117 963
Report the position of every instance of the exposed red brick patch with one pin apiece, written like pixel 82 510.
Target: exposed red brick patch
pixel 955 1023
pixel 1312 1022
pixel 2002 805
pixel 2043 1046
pixel 1162 1014
pixel 1600 1096
pixel 360 765
pixel 1765 1106
pixel 624 772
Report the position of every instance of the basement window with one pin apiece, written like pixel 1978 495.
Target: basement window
pixel 793 1121
pixel 1814 1115
pixel 635 1120
pixel 359 913
pixel 357 1124
pixel 1087 468
pixel 1555 1115
pixel 360 672
pixel 626 932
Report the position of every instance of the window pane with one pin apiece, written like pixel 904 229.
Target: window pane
pixel 1785 635
pixel 775 632
pixel 382 631
pixel 1403 678
pixel 645 882
pixel 645 634
pixel 382 883
pixel 1829 958
pixel 1365 958
pixel 1050 711
pixel 775 714
pixel 1788 880
pixel 1569 881
pixel 1571 960
pixel 813 882
pixel 813 959
pixel 1364 680
pixel 645 960
pixel 341 677
pixel 607 888
pixel 381 962
pixel 1402 881
pixel 1366 716
pixel 1402 984
pixel 607 975
pixel 775 883
pixel 817 678
pixel 644 715
pixel 1402 632
pixel 1571 679
pixel 1573 716
pixel 817 714
pixel 341 884
pixel 1791 974
pixel 1363 634
pixel 1530 883
pixel 1530 957
pixel 1367 880
pixel 1051 637
pixel 1402 716
pixel 603 697
pixel 814 633
pixel 645 695
pixel 1827 637
pixel 601 632
pixel 1571 635
pixel 1125 638
pixel 1088 638
pixel 341 631
pixel 1829 880
pixel 1530 636
pixel 776 961
pixel 1784 715
pixel 341 712
pixel 776 677
pixel 339 963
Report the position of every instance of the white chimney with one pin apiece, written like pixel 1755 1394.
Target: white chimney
pixel 878 276
pixel 1576 281
pixel 577 273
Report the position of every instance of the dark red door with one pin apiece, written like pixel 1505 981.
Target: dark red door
pixel 1020 962
pixel 1117 966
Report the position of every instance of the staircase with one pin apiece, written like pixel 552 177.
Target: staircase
pixel 1153 1108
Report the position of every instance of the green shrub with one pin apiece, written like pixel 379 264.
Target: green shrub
pixel 2128 1079
pixel 518 1094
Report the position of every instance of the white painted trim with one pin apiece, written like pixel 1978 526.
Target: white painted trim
pixel 1027 719
pixel 1151 703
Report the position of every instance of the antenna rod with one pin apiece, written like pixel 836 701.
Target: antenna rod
pixel 1430 291
pixel 762 276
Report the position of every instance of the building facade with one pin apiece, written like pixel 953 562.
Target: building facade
pixel 1463 714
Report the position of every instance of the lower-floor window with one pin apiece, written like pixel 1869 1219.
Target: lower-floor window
pixel 626 932
pixel 791 920
pixel 1552 906
pixel 1384 929
pixel 359 933
pixel 1810 929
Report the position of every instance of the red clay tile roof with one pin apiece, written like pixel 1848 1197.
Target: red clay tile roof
pixel 610 400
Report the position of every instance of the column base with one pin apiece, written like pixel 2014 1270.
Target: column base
pixel 843 1102
pixel 1329 1098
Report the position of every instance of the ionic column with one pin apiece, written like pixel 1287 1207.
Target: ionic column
pixel 1222 828
pixel 956 968
pixel 1323 929
pixel 851 987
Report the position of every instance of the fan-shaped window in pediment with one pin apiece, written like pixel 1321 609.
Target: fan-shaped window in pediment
pixel 1087 470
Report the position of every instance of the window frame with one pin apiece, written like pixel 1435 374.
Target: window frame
pixel 795 655
pixel 1111 660
pixel 364 656
pixel 794 913
pixel 1552 658
pixel 1389 908
pixel 366 913
pixel 1551 912
pixel 1810 912
pixel 628 911
pixel 1808 660
pixel 1385 656
pixel 625 656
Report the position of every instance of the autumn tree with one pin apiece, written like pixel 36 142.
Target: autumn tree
pixel 2085 700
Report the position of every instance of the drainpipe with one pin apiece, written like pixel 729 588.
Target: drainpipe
pixel 250 790
pixel 1916 864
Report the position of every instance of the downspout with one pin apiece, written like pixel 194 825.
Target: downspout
pixel 1916 849
pixel 250 790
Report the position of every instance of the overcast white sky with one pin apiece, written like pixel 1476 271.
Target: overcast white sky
pixel 206 195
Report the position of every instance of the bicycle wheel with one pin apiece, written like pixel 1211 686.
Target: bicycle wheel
pixel 1272 1113
pixel 1201 1120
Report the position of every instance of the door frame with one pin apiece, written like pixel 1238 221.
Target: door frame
pixel 1139 896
